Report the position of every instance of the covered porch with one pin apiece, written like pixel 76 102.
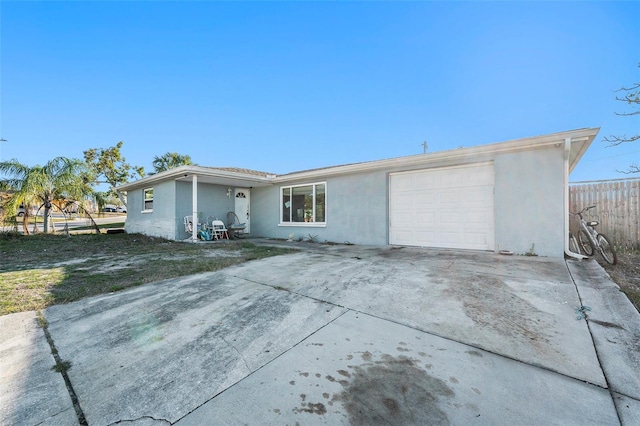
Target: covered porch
pixel 214 190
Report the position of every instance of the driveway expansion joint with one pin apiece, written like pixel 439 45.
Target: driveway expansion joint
pixel 279 288
pixel 357 311
pixel 62 367
pixel 251 373
pixel 593 342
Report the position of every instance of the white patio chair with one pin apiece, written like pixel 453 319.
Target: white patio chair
pixel 219 230
pixel 188 224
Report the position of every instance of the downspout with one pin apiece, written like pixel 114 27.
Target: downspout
pixel 567 151
pixel 194 207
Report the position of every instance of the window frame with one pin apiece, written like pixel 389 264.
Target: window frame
pixel 145 200
pixel 314 186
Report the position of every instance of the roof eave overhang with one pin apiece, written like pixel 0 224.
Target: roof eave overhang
pixel 204 174
pixel 580 141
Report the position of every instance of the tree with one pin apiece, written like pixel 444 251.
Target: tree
pixel 631 97
pixel 170 160
pixel 110 167
pixel 60 180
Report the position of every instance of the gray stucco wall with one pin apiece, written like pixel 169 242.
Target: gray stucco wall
pixel 159 222
pixel 357 211
pixel 172 201
pixel 529 202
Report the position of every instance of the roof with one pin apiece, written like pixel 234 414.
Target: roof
pixel 579 139
pixel 243 171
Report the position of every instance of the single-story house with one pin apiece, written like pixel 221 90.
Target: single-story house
pixel 510 196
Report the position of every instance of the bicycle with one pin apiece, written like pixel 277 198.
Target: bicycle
pixel 589 240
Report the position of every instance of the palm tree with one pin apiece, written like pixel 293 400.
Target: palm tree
pixel 170 160
pixel 61 179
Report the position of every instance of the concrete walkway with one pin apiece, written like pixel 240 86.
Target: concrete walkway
pixel 337 335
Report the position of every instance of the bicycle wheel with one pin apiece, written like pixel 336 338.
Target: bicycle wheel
pixel 606 250
pixel 585 243
pixel 573 244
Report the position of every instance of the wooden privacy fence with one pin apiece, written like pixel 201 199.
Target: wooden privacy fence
pixel 617 209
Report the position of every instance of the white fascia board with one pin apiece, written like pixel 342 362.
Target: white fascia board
pixel 187 171
pixel 460 155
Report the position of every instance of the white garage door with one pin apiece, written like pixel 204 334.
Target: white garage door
pixel 447 207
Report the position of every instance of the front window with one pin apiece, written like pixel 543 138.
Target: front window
pixel 148 199
pixel 303 204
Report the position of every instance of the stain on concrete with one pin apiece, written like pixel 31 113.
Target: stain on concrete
pixel 606 324
pixel 474 353
pixel 389 390
pixel 310 407
pixel 344 373
pixel 491 304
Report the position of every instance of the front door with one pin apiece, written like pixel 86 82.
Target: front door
pixel 242 207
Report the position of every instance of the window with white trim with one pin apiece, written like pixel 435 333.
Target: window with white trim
pixel 148 200
pixel 303 204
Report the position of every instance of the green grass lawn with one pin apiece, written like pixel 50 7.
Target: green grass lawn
pixel 40 270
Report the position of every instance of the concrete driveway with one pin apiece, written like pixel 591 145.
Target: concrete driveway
pixel 336 335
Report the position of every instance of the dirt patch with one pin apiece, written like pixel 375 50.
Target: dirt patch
pixel 116 263
pixel 40 270
pixel 626 273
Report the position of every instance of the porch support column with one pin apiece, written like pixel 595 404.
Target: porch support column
pixel 194 207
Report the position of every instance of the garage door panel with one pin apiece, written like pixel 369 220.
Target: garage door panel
pixel 424 236
pixel 449 208
pixel 405 237
pixel 403 183
pixel 450 218
pixel 403 200
pixel 450 198
pixel 426 218
pixel 426 199
pixel 453 180
pixel 424 181
pixel 478 216
pixel 478 195
pixel 475 239
pixel 404 216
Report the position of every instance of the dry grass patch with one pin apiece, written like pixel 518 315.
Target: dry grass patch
pixel 41 270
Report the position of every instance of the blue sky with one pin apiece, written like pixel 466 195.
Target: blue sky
pixel 287 86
